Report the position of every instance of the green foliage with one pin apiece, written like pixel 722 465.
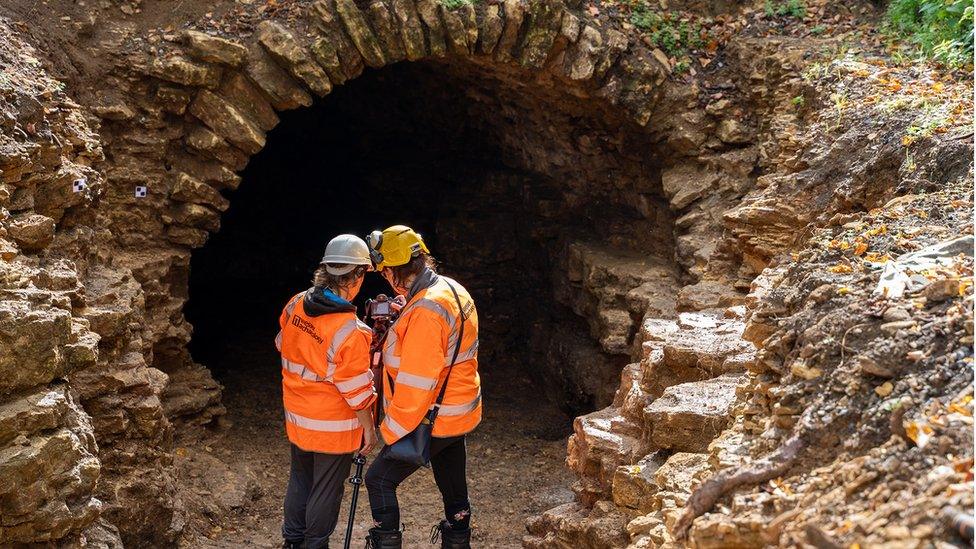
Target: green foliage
pixel 455 4
pixel 941 29
pixel 672 34
pixel 784 8
pixel 798 101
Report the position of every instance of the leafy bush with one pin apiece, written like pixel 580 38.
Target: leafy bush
pixel 793 8
pixel 942 29
pixel 455 4
pixel 668 31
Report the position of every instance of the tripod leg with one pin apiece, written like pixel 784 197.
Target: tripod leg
pixel 356 481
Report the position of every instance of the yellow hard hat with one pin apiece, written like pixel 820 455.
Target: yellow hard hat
pixel 395 246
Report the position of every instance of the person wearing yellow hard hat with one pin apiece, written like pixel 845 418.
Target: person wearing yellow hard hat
pixel 430 360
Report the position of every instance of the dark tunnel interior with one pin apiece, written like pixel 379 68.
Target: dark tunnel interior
pixel 398 145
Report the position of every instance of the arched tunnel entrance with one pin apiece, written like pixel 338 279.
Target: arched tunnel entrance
pixel 540 202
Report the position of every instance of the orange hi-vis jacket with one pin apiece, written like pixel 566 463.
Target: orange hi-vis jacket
pixel 325 372
pixel 416 355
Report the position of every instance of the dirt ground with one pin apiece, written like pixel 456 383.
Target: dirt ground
pixel 233 481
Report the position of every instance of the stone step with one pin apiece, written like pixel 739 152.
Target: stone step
pixel 695 347
pixel 687 417
pixel 599 445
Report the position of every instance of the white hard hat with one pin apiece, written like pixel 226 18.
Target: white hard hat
pixel 344 253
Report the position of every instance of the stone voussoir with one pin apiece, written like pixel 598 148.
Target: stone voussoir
pixel 387 31
pixel 359 31
pixel 514 17
pixel 334 43
pixel 411 29
pixel 188 189
pixel 490 26
pixel 285 48
pixel 544 22
pixel 181 70
pixel 429 12
pixel 226 121
pixel 248 99
pixel 274 81
pixel 214 49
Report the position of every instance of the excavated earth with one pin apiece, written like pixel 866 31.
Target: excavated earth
pixel 677 264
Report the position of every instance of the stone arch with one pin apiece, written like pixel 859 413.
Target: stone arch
pixel 190 110
pixel 182 112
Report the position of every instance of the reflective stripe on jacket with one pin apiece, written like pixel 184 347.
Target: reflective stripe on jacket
pixel 325 377
pixel 418 349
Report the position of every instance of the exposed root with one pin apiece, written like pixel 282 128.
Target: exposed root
pixel 702 500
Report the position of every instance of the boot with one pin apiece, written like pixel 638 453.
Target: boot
pixel 450 537
pixel 384 539
pixel 292 545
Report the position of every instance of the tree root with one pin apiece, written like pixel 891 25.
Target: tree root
pixel 772 466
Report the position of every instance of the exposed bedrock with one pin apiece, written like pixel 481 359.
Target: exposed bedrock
pixel 609 217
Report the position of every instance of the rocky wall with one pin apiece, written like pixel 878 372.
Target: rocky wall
pixel 97 229
pixel 797 417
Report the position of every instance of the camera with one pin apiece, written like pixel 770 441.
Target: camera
pixel 376 308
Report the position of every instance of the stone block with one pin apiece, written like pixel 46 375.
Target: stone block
pixel 179 69
pixel 544 22
pixel 227 122
pixel 687 417
pixel 32 232
pixel 457 35
pixel 411 29
pixel 429 12
pixel 214 49
pixel 358 30
pixel 211 144
pixel 283 46
pixel 188 189
pixel 387 31
pixel 279 87
pixel 332 29
pixel 514 16
pixel 686 183
pixel 490 26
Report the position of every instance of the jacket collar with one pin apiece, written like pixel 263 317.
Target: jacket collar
pixel 424 280
pixel 322 301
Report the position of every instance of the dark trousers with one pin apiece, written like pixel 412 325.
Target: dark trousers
pixel 314 496
pixel 447 460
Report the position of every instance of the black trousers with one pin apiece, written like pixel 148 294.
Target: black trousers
pixel 314 496
pixel 447 460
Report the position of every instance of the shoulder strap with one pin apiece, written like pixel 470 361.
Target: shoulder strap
pixel 457 348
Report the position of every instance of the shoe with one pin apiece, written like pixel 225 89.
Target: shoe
pixel 292 545
pixel 450 537
pixel 384 539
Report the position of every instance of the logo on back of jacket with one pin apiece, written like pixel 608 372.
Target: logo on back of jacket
pixel 306 327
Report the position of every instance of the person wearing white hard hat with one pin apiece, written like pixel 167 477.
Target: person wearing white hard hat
pixel 327 391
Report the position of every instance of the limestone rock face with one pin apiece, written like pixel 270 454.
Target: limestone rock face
pixel 33 339
pixel 615 288
pixel 48 457
pixel 32 232
pixel 688 416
